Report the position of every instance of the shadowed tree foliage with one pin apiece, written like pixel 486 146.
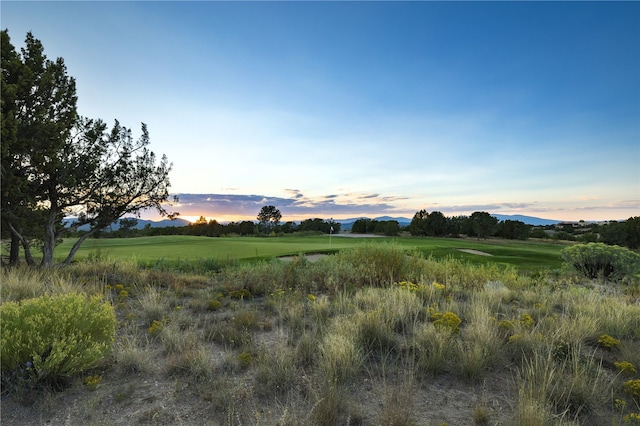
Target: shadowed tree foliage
pixel 513 230
pixel 268 218
pixel 363 226
pixel 127 226
pixel 437 225
pixel 418 225
pixel 390 228
pixel 38 112
pixel 633 232
pixel 483 223
pixel 625 233
pixel 434 224
pixel 319 225
pixel 371 226
pixel 57 164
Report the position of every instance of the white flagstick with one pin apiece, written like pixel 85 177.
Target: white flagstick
pixel 330 232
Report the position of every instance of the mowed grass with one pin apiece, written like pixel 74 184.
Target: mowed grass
pixel 525 255
pixel 175 247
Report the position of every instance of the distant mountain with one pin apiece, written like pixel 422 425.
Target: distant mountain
pixel 403 221
pixel 162 223
pixel 347 224
pixel 529 220
pixel 141 223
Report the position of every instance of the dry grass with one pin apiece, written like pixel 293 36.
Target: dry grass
pixel 353 352
pixel 135 356
pixel 340 357
pixel 152 305
pixel 434 349
pixel 26 283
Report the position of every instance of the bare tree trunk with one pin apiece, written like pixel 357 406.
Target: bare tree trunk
pixel 25 245
pixel 49 239
pixel 76 246
pixel 27 253
pixel 14 253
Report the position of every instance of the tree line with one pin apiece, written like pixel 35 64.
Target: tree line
pixel 620 233
pixel 483 225
pixel 480 225
pixel 268 223
pixel 423 224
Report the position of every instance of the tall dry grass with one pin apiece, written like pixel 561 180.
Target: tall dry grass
pixel 344 317
pixel 25 283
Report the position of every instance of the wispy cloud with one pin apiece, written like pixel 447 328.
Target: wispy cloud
pixel 616 205
pixel 295 205
pixel 493 207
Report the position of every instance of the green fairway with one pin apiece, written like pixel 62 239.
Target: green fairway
pixel 526 255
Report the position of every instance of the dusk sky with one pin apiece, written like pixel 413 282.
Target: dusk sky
pixel 349 109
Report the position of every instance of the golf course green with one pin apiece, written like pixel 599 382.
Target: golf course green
pixel 525 255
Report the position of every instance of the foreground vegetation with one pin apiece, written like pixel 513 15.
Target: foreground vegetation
pixel 368 335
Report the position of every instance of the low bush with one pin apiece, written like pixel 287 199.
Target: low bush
pixel 55 337
pixel 380 265
pixel 598 260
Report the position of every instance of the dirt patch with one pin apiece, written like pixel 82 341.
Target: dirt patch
pixel 478 252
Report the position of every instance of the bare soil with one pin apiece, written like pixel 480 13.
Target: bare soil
pixel 232 397
pixel 156 399
pixel 310 257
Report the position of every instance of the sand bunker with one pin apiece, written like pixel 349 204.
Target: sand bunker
pixel 478 252
pixel 310 257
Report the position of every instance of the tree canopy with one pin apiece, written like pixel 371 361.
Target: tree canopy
pixel 57 164
pixel 483 224
pixel 268 218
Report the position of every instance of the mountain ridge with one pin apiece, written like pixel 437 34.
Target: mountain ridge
pixel 346 224
pixel 405 221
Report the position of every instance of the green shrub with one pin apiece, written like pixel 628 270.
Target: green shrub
pixel 598 260
pixel 380 265
pixel 55 336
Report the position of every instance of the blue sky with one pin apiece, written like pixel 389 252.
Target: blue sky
pixel 332 109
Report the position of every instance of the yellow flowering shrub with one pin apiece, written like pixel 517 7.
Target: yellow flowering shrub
pixel 608 342
pixel 632 419
pixel 55 335
pixel 506 326
pixel 447 321
pixel 527 321
pixel 214 305
pixel 438 286
pixel 92 382
pixel 632 387
pixel 407 285
pixel 155 328
pixel 245 359
pixel 625 367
